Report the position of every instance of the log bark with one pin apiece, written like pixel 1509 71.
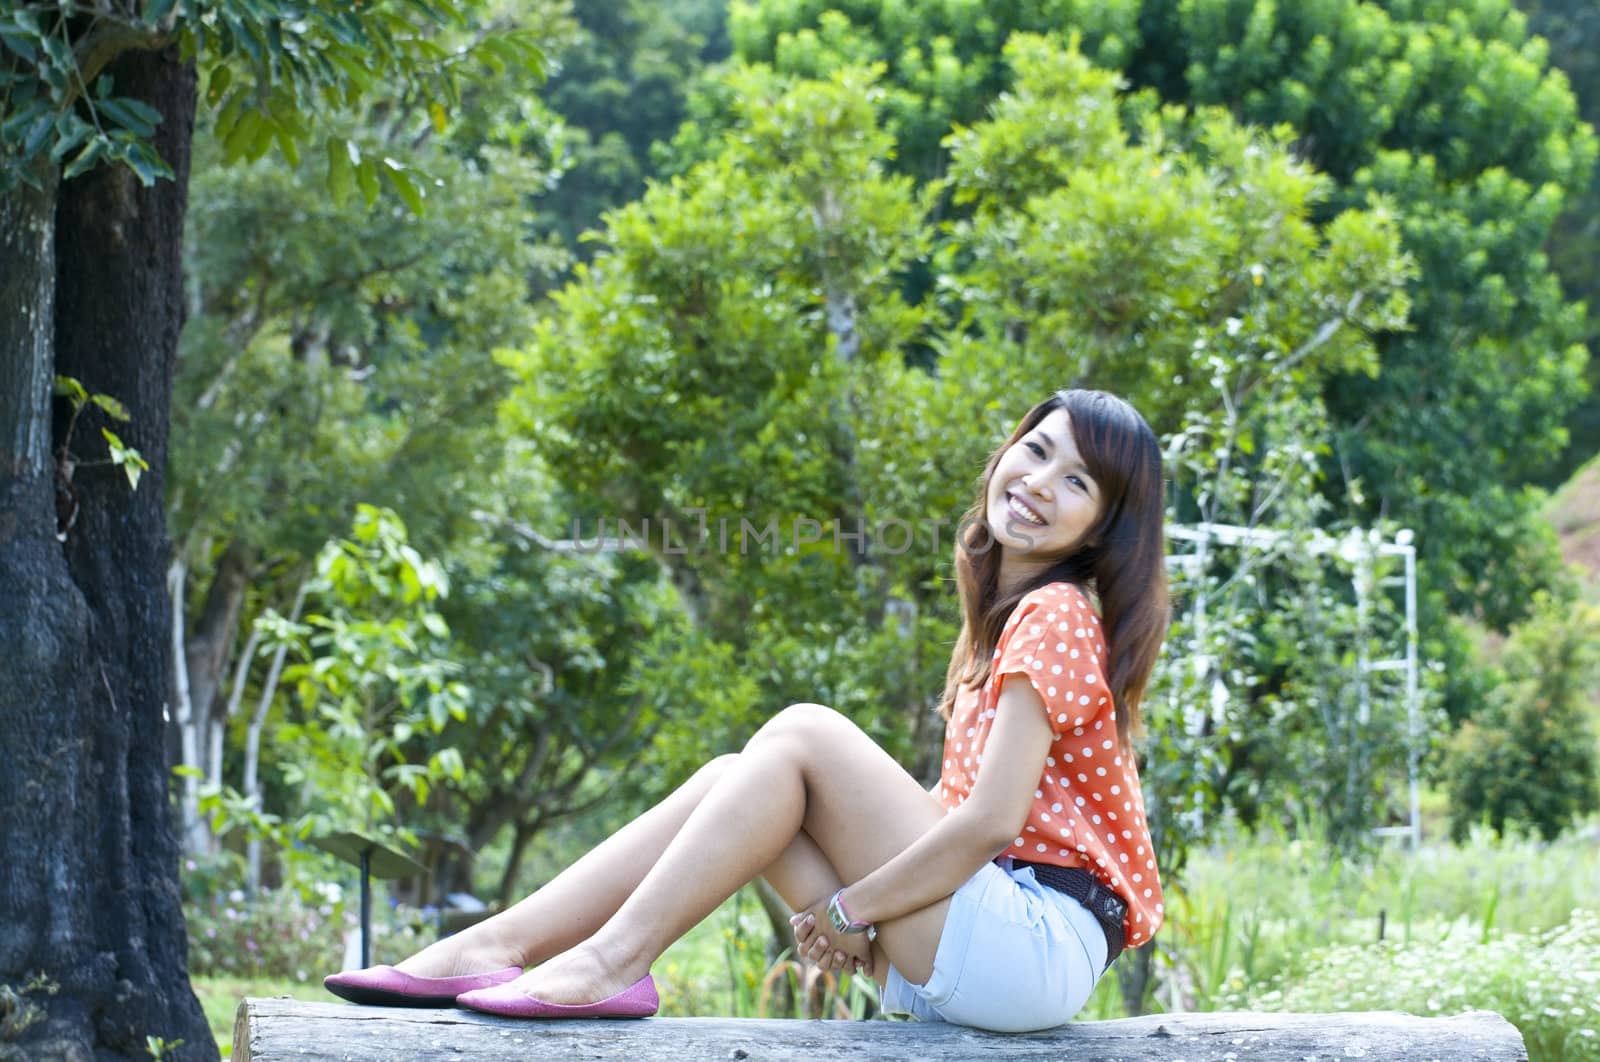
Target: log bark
pixel 269 1030
pixel 92 945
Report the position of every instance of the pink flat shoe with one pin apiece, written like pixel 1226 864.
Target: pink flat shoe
pixel 385 986
pixel 638 1000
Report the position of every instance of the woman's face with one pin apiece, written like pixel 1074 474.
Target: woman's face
pixel 1042 500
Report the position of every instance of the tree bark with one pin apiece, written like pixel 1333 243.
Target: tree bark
pixel 252 745
pixel 210 641
pixel 202 654
pixel 88 857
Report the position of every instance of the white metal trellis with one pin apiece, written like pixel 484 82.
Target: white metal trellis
pixel 1358 548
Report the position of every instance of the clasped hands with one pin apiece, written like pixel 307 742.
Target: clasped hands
pixel 815 941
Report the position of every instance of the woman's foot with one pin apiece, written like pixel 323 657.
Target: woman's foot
pixel 581 975
pixel 467 952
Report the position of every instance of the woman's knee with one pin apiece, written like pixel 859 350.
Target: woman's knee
pixel 804 721
pixel 717 767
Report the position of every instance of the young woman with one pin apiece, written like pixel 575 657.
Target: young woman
pixel 995 900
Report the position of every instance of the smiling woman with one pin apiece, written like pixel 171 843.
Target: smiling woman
pixel 996 901
pixel 1042 483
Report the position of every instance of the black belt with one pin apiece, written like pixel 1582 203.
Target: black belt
pixel 1107 907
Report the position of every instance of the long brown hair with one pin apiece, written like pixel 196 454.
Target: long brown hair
pixel 1121 559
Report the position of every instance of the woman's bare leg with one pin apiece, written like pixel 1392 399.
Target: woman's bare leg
pixel 807 772
pixel 578 901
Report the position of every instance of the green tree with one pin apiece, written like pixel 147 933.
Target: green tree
pixel 92 290
pixel 1531 760
pixel 713 363
pixel 1468 403
pixel 620 86
pixel 738 352
pixel 1572 28
pixel 339 354
pixel 370 669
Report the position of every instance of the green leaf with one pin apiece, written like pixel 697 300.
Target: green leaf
pixel 341 177
pixel 69 388
pixel 287 144
pixel 132 462
pixel 367 178
pixel 60 55
pixel 138 118
pixel 19 42
pixel 116 410
pixel 86 159
pixel 156 10
pixel 221 78
pixel 242 135
pixel 15 123
pixel 78 131
pixel 147 165
pixel 36 136
pixel 407 189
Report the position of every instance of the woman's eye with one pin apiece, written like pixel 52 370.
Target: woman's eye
pixel 1076 482
pixel 1038 451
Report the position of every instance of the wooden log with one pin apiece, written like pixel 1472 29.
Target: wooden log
pixel 272 1030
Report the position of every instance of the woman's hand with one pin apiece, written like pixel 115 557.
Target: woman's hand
pixel 836 953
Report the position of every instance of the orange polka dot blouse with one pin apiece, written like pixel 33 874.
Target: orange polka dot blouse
pixel 1088 810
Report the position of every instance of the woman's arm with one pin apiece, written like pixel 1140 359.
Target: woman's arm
pixel 937 863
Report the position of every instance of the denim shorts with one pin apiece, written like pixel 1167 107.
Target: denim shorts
pixel 1014 956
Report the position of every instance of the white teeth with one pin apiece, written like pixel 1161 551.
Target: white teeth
pixel 1021 511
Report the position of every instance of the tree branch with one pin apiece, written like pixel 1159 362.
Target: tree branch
pixel 109 37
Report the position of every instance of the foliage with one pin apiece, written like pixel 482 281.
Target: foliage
pixel 1546 984
pixel 277 934
pixel 268 66
pixel 342 355
pixel 119 453
pixel 1252 911
pixel 699 346
pixel 1531 758
pixel 618 87
pixel 1141 262
pixel 1572 27
pixel 746 313
pixel 1461 413
pixel 943 60
pixel 552 649
pixel 371 669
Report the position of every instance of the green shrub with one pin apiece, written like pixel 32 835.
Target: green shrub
pixel 277 935
pixel 288 935
pixel 1546 983
pixel 1530 757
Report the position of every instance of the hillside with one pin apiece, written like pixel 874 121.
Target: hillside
pixel 1574 511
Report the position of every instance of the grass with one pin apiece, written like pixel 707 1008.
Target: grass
pixel 1263 923
pixel 220 996
pixel 1262 909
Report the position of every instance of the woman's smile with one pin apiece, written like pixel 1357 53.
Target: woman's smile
pixel 1042 499
pixel 1023 511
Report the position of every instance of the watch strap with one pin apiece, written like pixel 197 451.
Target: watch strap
pixel 844 923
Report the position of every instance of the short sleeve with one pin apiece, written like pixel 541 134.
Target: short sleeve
pixel 1055 640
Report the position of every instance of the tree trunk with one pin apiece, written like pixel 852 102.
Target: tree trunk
pixel 210 642
pixel 180 720
pixel 252 745
pixel 202 654
pixel 88 857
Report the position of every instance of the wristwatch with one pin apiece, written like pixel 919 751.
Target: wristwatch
pixel 843 923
